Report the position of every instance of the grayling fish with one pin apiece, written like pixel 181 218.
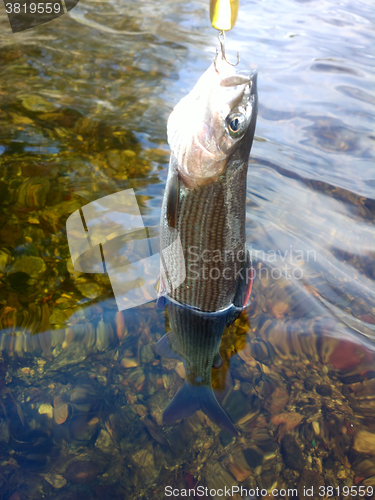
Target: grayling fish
pixel 210 133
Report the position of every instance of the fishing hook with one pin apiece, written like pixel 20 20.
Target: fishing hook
pixel 221 38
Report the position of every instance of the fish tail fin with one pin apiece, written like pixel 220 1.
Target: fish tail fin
pixel 190 399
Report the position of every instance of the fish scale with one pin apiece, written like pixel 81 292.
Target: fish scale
pixel 199 348
pixel 210 219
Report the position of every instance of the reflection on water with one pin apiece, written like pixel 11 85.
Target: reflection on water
pixel 83 114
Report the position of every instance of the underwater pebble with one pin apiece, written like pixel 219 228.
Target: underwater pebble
pixel 279 399
pixel 169 380
pixel 346 355
pixel 33 192
pixel 129 362
pixel 144 459
pixel 253 457
pixel 279 309
pixel 56 480
pixel 366 467
pixel 57 317
pixel 147 354
pixel 83 394
pixel 292 454
pixel 4 432
pixel 17 496
pixel 288 420
pixel 180 370
pixel 137 377
pixel 104 336
pixel 237 406
pixel 141 410
pixel 60 413
pixel 46 409
pixel 104 441
pixel 82 471
pixel 238 467
pixel 121 329
pixel 37 103
pixel 89 290
pixel 262 351
pixel 33 266
pixel 309 385
pixel 316 427
pixel 4 259
pixel 324 390
pixel 364 442
pixel 225 438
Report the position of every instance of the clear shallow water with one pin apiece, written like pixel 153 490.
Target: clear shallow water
pixel 84 106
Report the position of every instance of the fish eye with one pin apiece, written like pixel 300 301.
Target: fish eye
pixel 236 124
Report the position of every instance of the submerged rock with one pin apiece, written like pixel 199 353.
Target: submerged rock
pixel 38 103
pixel 56 480
pixel 253 457
pixel 324 390
pixel 89 290
pixel 28 264
pixel 4 259
pixel 33 192
pixel 60 413
pixel 364 442
pixel 82 471
pixel 292 454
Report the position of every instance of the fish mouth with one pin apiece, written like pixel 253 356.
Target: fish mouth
pixel 246 89
pixel 240 87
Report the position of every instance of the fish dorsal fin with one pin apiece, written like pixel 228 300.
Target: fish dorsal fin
pixel 168 346
pixel 173 200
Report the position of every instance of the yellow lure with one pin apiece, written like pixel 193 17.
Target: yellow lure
pixel 223 14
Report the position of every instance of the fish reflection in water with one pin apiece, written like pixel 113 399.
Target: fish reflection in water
pixel 210 133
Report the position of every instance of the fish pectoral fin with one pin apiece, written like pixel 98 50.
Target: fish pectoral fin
pixel 218 361
pixel 168 346
pixel 173 200
pixel 161 301
pixel 191 398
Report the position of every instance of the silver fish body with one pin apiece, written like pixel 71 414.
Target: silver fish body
pixel 210 133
